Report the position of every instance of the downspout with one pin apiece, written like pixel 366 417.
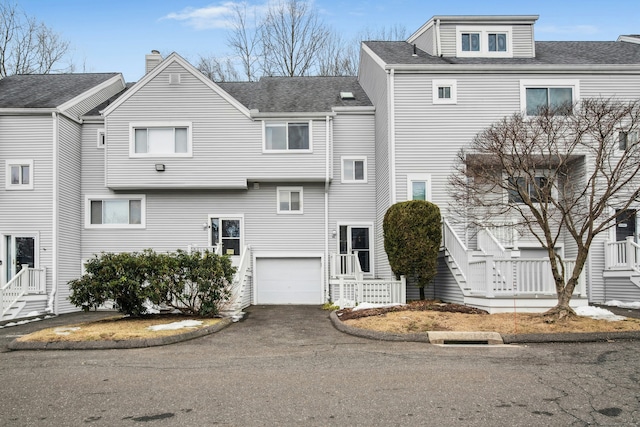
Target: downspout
pixel 438 45
pixel 392 136
pixel 328 163
pixel 51 304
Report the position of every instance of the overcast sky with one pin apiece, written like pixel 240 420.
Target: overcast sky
pixel 114 35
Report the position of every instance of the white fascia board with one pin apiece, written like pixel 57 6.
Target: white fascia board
pixel 486 19
pixel 240 184
pixel 629 39
pixel 27 111
pixel 354 110
pixel 175 58
pixel 256 114
pixel 421 30
pixel 92 91
pixel 514 69
pixel 289 179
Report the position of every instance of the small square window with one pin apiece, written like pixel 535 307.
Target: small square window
pixel 471 42
pixel 419 187
pixel 289 200
pixel 19 175
pixel 497 42
pixel 445 91
pixel 354 169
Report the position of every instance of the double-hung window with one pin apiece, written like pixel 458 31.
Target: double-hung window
pixel 19 174
pixel 115 211
pixel 419 187
pixel 160 140
pixel 470 42
pixel 289 200
pixel 556 96
pixel 287 136
pixel 354 169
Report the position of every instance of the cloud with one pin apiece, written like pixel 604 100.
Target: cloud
pixel 205 18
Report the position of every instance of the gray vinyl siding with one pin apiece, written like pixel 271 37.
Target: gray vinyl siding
pixel 373 80
pixel 522 41
pixel 29 212
pixel 352 203
pixel 227 146
pixel 619 288
pixel 69 210
pixel 444 287
pixel 98 98
pixel 175 220
pixel 448 39
pixel 426 41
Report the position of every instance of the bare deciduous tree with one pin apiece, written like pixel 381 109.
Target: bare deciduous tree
pixel 338 58
pixel 217 69
pixel 561 174
pixel 28 46
pixel 244 40
pixel 291 37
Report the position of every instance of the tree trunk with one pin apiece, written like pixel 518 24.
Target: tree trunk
pixel 421 293
pixel 562 310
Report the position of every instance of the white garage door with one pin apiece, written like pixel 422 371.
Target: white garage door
pixel 288 281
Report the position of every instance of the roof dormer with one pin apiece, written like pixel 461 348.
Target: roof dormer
pixel 477 36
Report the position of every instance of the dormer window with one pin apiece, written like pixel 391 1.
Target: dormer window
pixel 481 41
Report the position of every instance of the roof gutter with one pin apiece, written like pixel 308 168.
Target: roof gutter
pixel 36 112
pixel 51 303
pixel 256 114
pixel 512 69
pixel 391 135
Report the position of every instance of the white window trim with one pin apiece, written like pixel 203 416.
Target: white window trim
pixel 285 123
pixel 101 138
pixel 139 125
pixel 290 189
pixel 452 84
pixel 574 84
pixel 18 162
pixel 346 180
pixel 630 141
pixel 143 210
pixel 484 32
pixel 419 177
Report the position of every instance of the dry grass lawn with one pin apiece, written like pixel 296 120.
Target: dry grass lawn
pixel 402 322
pixel 115 328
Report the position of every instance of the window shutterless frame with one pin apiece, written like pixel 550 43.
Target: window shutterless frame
pixel 289 137
pixel 19 174
pixel 160 139
pixel 115 211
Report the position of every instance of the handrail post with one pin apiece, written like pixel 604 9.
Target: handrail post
pixel 403 290
pixel 630 252
pixel 489 279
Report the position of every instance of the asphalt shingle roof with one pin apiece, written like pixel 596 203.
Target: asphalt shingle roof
pixel 46 90
pixel 547 53
pixel 297 94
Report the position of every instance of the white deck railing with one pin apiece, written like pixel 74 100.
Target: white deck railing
pixel 345 265
pixel 350 292
pixel 490 245
pixel 623 255
pixel 505 233
pixel 521 277
pixel 456 249
pixel 28 281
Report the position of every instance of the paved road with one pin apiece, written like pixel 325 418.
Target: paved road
pixel 288 366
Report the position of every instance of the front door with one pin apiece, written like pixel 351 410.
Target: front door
pixel 18 251
pixel 357 240
pixel 626 226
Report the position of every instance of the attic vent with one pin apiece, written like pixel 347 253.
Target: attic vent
pixel 174 79
pixel 347 95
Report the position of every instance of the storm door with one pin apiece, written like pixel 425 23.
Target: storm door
pixel 626 224
pixel 18 251
pixel 357 240
pixel 227 232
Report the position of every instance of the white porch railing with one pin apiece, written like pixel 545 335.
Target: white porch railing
pixel 623 255
pixel 456 249
pixel 346 265
pixel 490 245
pixel 521 277
pixel 237 300
pixel 217 249
pixel 352 292
pixel 505 233
pixel 28 281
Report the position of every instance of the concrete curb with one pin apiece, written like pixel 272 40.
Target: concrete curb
pixel 122 344
pixel 490 337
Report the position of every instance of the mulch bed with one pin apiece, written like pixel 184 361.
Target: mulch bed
pixel 424 305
